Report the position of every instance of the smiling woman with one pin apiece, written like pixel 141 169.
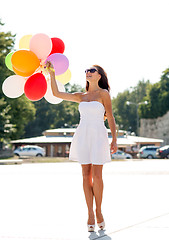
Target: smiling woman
pixel 90 145
pixel 103 81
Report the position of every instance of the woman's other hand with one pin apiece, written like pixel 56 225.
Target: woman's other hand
pixel 113 147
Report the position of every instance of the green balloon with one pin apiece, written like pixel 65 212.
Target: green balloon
pixel 8 61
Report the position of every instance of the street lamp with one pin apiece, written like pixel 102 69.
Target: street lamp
pixel 137 105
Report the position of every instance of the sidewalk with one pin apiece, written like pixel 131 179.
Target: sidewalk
pixel 46 201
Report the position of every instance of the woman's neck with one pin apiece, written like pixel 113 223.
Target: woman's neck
pixel 93 88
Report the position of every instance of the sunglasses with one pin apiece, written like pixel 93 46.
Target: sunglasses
pixel 91 70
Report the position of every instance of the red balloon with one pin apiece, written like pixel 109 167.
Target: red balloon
pixel 58 46
pixel 35 87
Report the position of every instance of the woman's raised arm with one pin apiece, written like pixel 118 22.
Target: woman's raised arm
pixel 74 97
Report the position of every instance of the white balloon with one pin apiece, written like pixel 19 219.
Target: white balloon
pixel 13 86
pixel 49 95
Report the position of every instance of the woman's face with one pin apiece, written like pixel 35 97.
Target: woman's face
pixel 92 75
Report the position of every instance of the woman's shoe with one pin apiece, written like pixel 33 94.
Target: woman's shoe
pixel 91 228
pixel 101 225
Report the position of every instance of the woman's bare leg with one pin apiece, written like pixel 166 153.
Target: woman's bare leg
pixel 88 191
pixel 98 190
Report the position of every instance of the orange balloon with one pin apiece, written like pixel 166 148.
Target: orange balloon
pixel 21 73
pixel 24 62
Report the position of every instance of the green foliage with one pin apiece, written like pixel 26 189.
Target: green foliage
pixel 74 88
pixel 158 98
pixel 126 115
pixel 6 128
pixel 15 113
pixel 22 111
pixel 120 109
pixel 7 41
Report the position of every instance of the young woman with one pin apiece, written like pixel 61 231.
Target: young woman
pixel 90 144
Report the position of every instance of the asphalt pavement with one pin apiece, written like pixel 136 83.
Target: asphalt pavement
pixel 46 201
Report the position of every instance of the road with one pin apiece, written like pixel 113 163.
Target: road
pixel 46 201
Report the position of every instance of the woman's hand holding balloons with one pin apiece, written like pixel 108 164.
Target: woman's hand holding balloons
pixel 53 83
pixel 50 68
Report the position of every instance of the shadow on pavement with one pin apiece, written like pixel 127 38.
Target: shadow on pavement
pixel 94 235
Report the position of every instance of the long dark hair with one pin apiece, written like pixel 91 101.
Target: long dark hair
pixel 103 82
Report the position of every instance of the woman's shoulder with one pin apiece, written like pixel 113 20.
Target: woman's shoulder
pixel 105 95
pixel 104 92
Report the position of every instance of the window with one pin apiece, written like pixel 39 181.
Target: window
pixel 59 149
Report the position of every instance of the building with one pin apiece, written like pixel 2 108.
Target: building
pixel 56 142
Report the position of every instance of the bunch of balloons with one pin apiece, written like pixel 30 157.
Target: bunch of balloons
pixel 28 64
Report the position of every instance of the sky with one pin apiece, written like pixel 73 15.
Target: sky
pixel 128 38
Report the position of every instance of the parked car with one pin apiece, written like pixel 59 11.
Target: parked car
pixel 121 155
pixel 163 152
pixel 147 152
pixel 29 150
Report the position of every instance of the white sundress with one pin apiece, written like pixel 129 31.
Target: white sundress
pixel 90 143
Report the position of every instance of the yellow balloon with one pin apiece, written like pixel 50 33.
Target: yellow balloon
pixel 24 42
pixel 65 77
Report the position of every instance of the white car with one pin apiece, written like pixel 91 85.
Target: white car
pixel 30 150
pixel 121 155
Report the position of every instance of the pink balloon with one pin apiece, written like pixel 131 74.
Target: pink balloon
pixel 60 62
pixel 41 45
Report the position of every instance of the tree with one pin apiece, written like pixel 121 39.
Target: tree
pixel 15 113
pixel 158 98
pixel 6 128
pixel 7 41
pixel 126 116
pixel 120 109
pixel 22 111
